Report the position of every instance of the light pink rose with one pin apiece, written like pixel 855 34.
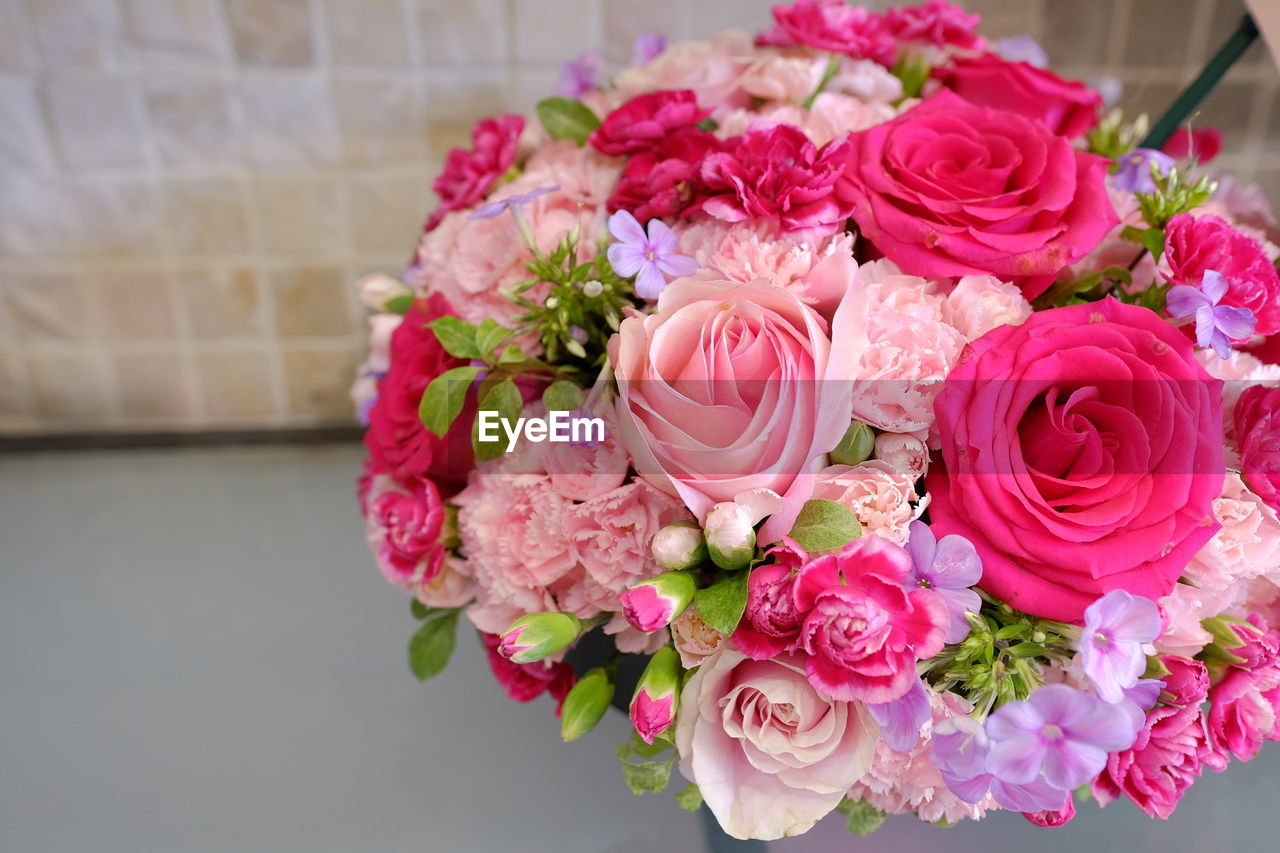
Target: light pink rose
pixel 980 303
pixel 1246 545
pixel 749 251
pixel 904 451
pixel 770 754
pixel 730 388
pixel 713 68
pixel 694 639
pixel 878 493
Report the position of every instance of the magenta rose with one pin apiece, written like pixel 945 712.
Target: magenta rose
pixel 398 443
pixel 1195 245
pixel 469 175
pixel 833 26
pixel 1065 107
pixel 731 388
pixel 1257 425
pixel 951 189
pixel 778 175
pixel 644 121
pixel 863 631
pixel 1082 453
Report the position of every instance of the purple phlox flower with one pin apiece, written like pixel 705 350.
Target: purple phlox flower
pixel 581 76
pixel 1139 699
pixel 1059 732
pixel 512 203
pixel 651 258
pixel 1133 170
pixel 1216 325
pixel 1022 49
pixel 1116 627
pixel 900 720
pixel 647 47
pixel 959 749
pixel 1110 88
pixel 949 567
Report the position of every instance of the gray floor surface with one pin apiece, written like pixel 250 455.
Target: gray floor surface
pixel 196 654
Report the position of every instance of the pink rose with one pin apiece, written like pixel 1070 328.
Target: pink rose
pixel 1196 245
pixel 468 175
pixel 771 623
pixel 862 630
pixel 730 388
pixel 1257 423
pixel 771 755
pixel 644 121
pixel 403 527
pixel 1082 452
pixel 1066 107
pixel 833 26
pixel 777 175
pixel 711 68
pixel 950 189
pixel 1168 755
pixel 937 23
pixel 879 494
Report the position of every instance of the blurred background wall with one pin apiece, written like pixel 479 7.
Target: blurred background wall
pixel 188 188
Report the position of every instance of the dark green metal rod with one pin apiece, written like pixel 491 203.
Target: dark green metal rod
pixel 1191 97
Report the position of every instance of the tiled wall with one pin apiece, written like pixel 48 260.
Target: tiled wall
pixel 188 187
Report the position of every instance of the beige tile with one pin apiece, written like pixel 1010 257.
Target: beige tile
pixel 164 33
pixel 271 32
pixel 47 306
pixel 318 381
pixel 38 218
pixel 456 101
pixel 1229 107
pixel 380 119
pixel 1158 32
pixel 222 303
pixel 24 144
pixel 310 302
pixel 69 387
pixel 302 216
pixel 1002 19
pixel 136 305
pixel 153 387
pixel 206 215
pixel 1227 15
pixel 463 33
pixel 74 33
pixel 192 122
pixel 1077 33
pixel 387 212
pixel 371 32
pixel 95 121
pixel 552 30
pixel 119 218
pixel 626 19
pixel 235 384
pixel 710 16
pixel 288 118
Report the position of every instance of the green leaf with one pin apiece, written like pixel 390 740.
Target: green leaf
pixel 689 798
pixel 861 818
pixel 457 336
pixel 431 647
pixel 503 398
pixel 419 610
pixel 824 525
pixel 660 744
pixel 651 776
pixel 567 118
pixel 721 605
pixel 1151 238
pixel 398 304
pixel 510 355
pixel 489 335
pixel 444 397
pixel 563 396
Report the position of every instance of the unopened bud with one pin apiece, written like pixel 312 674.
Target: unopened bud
pixel 381 292
pixel 904 452
pixel 585 704
pixel 730 535
pixel 592 289
pixel 657 696
pixel 538 635
pixel 855 446
pixel 679 546
pixel 652 604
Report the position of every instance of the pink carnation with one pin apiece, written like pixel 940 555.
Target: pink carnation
pixel 1257 426
pixel 403 528
pixel 1187 607
pixel 776 77
pixel 1246 544
pixel 903 451
pixel 777 175
pixel 833 26
pixel 832 116
pixel 665 180
pixel 1196 245
pixel 1245 712
pixel 771 623
pixel 644 121
pixel 878 493
pixel 526 682
pixel 1168 755
pixel 468 175
pixel 862 630
pixel 936 22
pixel 980 303
pixel 712 69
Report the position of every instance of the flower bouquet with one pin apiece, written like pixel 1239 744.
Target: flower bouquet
pixel 905 421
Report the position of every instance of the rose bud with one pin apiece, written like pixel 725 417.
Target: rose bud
pixel 731 537
pixel 653 708
pixel 585 704
pixel 381 292
pixel 652 604
pixel 903 451
pixel 856 446
pixel 538 635
pixel 679 546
